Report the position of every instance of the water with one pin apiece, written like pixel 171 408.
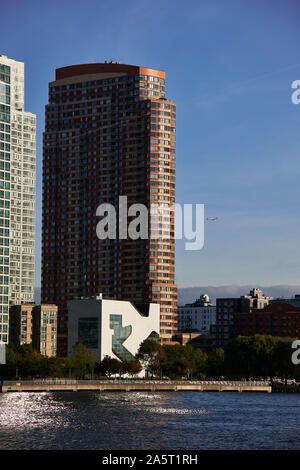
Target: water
pixel 149 421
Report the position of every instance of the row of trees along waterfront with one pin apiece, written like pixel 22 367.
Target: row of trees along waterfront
pixel 246 357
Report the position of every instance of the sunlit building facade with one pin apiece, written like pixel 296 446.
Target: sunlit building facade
pixel 36 325
pixel 113 328
pixel 17 192
pixel 109 132
pixel 197 317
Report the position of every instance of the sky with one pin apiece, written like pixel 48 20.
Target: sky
pixel 229 67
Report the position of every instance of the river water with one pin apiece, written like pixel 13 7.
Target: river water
pixel 149 421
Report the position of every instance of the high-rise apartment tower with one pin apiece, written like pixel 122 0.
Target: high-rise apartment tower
pixel 17 192
pixel 109 132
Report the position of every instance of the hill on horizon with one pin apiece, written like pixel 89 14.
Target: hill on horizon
pixel 190 294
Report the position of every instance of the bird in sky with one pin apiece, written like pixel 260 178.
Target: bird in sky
pixel 212 218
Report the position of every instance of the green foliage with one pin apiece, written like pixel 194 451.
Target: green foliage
pixel 149 355
pixel 82 360
pixel 110 366
pixel 134 367
pixel 260 356
pixel 214 366
pixel 183 361
pixel 58 367
pixel 25 362
pixel 179 368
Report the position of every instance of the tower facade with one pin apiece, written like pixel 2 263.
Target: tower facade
pixel 109 132
pixel 17 192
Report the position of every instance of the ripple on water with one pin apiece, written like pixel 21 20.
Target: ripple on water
pixel 142 420
pixel 178 411
pixel 27 411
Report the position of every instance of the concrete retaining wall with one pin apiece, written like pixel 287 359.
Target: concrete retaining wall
pixel 132 386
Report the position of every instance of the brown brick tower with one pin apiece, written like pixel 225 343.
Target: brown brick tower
pixel 109 132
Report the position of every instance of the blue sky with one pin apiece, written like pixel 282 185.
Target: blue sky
pixel 229 66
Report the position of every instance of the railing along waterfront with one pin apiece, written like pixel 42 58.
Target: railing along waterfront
pixel 54 381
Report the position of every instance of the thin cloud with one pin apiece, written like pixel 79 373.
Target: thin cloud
pixel 222 96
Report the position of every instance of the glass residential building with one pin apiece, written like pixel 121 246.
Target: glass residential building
pixel 17 192
pixel 109 132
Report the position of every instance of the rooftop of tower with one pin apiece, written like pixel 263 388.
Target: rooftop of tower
pixel 105 67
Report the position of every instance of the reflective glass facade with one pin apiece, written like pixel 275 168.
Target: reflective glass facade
pixel 121 333
pixel 88 332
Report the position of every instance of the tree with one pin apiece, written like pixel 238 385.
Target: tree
pixel 13 362
pixel 241 358
pixel 259 356
pixel 58 366
pixel 134 367
pixel 33 364
pixel 148 355
pixel 110 366
pixel 179 368
pixel 174 352
pixel 177 354
pixel 197 358
pixel 82 360
pixel 285 369
pixel 215 363
pixel 263 351
pixel 123 367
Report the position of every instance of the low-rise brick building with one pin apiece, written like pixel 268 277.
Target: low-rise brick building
pixel 279 318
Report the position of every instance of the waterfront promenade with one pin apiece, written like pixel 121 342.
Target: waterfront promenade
pixel 133 385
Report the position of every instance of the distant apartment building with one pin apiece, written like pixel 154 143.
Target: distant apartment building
pixel 44 329
pixel 227 308
pixel 292 301
pixel 255 300
pixel 17 192
pixel 109 132
pixel 36 325
pixel 198 316
pixel 201 341
pixel 110 327
pixel 279 318
pixel 20 324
